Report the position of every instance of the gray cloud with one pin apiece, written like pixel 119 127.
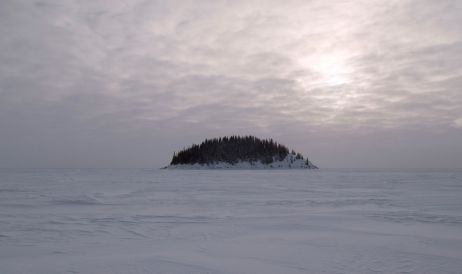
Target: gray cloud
pixel 111 83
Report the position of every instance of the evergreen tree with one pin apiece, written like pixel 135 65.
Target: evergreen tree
pixel 232 150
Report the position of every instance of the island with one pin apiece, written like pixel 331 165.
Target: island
pixel 239 152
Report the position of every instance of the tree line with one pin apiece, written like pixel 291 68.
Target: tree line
pixel 232 150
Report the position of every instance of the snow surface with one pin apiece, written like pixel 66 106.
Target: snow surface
pixel 230 221
pixel 289 162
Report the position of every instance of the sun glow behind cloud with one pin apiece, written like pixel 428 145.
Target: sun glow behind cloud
pixel 331 68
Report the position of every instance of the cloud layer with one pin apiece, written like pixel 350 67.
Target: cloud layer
pixel 111 83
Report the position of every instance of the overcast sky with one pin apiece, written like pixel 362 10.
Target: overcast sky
pixel 362 83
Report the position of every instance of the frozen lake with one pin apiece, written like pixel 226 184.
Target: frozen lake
pixel 267 221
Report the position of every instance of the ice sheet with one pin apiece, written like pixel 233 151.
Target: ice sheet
pixel 230 221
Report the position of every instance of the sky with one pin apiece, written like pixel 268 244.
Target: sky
pixel 350 84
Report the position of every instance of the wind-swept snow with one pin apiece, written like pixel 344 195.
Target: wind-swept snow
pixel 230 221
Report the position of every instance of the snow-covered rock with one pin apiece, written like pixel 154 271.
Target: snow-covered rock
pixel 290 162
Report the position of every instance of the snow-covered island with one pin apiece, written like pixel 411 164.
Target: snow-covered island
pixel 236 152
